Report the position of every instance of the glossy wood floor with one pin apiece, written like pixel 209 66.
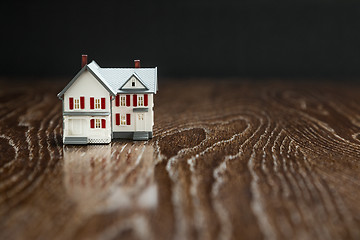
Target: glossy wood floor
pixel 245 160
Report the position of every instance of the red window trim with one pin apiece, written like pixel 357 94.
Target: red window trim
pixel 71 103
pixel 91 103
pixel 128 100
pixel 117 119
pixel 134 100
pixel 82 102
pixel 103 103
pixel 128 120
pixel 92 123
pixel 103 123
pixel 145 99
pixel 117 100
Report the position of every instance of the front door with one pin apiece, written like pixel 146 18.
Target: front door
pixel 140 122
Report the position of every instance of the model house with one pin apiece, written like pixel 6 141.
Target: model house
pixel 100 104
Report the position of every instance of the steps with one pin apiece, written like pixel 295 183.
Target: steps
pixel 141 136
pixel 75 140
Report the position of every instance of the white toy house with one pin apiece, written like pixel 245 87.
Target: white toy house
pixel 100 104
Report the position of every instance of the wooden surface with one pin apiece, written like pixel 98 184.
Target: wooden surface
pixel 246 160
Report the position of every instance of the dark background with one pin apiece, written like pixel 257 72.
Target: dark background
pixel 190 38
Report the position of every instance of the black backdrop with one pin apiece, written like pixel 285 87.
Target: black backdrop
pixel 189 38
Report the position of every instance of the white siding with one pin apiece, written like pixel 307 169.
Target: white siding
pixel 88 86
pixel 148 116
pixel 85 131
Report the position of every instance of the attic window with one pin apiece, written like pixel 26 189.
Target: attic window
pixel 133 83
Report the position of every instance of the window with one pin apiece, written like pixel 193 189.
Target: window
pixel 121 119
pixel 141 116
pixel 97 103
pixel 123 101
pixel 120 100
pixel 97 123
pixel 141 101
pixel 77 103
pixel 133 83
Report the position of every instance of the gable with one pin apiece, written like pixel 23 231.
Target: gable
pixel 119 80
pixel 133 82
pixel 86 85
pixel 88 72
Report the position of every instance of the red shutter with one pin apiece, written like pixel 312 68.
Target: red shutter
pixel 128 122
pixel 145 99
pixel 82 102
pixel 117 119
pixel 128 100
pixel 117 100
pixel 71 103
pixel 92 123
pixel 134 100
pixel 103 123
pixel 91 103
pixel 103 103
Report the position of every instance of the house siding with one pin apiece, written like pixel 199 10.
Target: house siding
pixel 77 121
pixel 148 116
pixel 88 101
pixel 87 86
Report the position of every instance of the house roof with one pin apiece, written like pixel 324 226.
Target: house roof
pixel 114 78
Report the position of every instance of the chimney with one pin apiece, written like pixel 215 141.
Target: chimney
pixel 137 63
pixel 83 60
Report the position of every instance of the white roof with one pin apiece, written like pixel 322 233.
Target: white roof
pixel 114 78
pixel 117 77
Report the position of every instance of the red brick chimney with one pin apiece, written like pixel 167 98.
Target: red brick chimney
pixel 137 63
pixel 83 60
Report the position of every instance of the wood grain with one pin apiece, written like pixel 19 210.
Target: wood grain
pixel 229 160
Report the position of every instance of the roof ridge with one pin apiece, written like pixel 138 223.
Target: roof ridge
pixel 113 78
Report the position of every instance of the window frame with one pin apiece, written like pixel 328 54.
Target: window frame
pixel 123 101
pixel 97 123
pixel 122 120
pixel 76 103
pixel 97 103
pixel 140 101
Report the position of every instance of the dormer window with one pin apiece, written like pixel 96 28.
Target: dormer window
pixel 133 82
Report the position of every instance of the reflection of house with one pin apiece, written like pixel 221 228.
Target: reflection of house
pixel 104 103
pixel 102 178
